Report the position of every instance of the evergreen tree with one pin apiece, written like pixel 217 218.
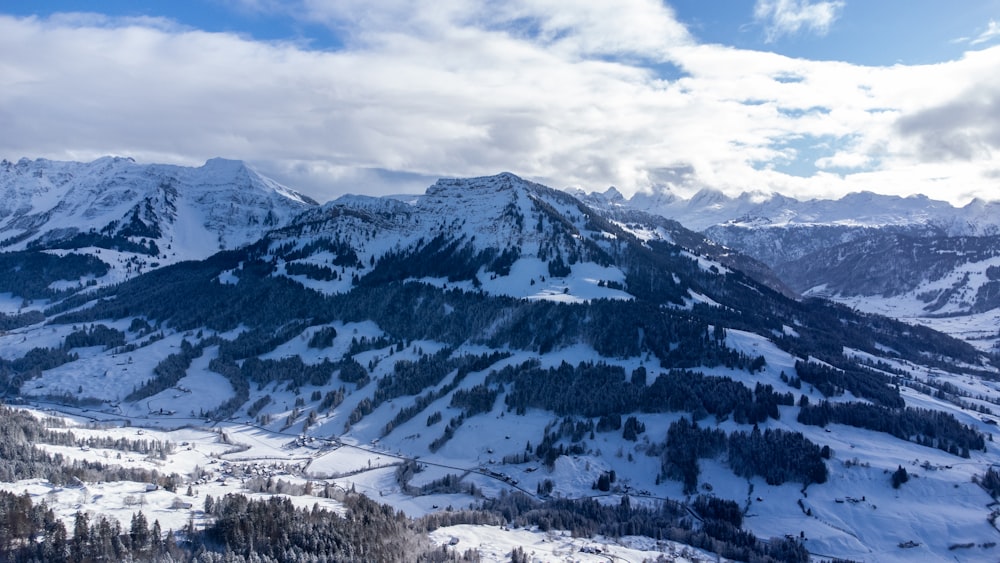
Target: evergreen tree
pixel 899 476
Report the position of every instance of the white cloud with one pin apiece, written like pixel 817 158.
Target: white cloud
pixel 565 97
pixel 992 31
pixel 646 28
pixel 788 17
pixel 845 159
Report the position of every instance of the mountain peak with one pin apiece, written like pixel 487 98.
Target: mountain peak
pixel 484 195
pixel 113 159
pixel 708 197
pixel 224 165
pixel 480 198
pixel 660 197
pixel 225 170
pixel 609 198
pixel 163 213
pixel 613 195
pixel 498 182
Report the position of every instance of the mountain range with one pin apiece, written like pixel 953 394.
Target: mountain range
pixel 711 208
pixel 147 213
pixel 911 258
pixel 500 344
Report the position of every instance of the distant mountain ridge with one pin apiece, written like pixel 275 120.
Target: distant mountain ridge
pixel 912 258
pixel 710 208
pixel 164 212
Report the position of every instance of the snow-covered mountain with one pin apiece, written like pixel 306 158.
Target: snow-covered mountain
pixel 497 342
pixel 139 214
pixel 947 283
pixel 712 208
pixel 911 258
pixel 500 234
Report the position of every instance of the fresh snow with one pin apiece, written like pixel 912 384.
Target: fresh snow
pixel 495 544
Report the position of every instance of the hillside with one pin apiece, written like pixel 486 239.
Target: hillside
pixel 499 343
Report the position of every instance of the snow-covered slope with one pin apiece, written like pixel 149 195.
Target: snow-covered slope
pixel 153 213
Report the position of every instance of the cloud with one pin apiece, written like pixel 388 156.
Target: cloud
pixel 645 28
pixel 788 17
pixel 567 97
pixel 456 99
pixel 966 128
pixel 959 123
pixel 992 31
pixel 845 160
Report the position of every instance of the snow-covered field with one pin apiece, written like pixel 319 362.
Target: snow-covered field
pixel 496 543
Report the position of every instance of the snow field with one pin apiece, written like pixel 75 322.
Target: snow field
pixel 495 544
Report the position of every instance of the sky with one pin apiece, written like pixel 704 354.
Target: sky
pixel 808 98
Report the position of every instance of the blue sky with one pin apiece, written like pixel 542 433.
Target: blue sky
pixel 208 15
pixel 873 32
pixel 808 98
pixel 879 32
